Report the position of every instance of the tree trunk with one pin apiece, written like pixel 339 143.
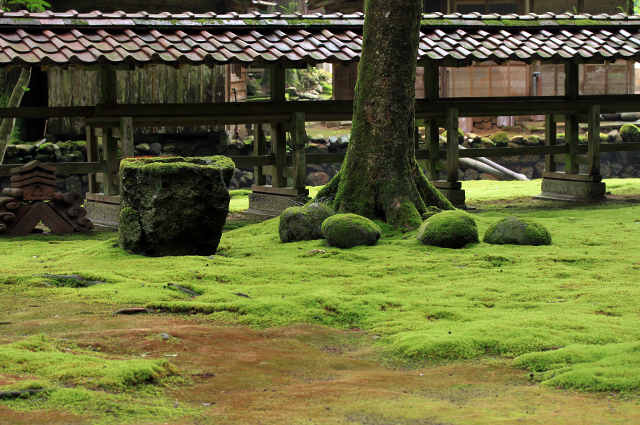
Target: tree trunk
pixel 16 97
pixel 380 177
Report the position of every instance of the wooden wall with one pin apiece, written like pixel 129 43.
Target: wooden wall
pixel 159 84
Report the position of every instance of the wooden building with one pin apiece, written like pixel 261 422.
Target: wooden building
pixel 488 79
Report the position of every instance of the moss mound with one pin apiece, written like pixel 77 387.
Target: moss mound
pixel 449 229
pixel 501 138
pixel 349 230
pixel 630 133
pixel 303 223
pixel 460 135
pixel 517 231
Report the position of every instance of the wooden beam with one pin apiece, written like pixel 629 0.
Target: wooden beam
pixel 279 150
pixel 63 168
pixel 111 182
pixel 433 146
pixel 108 86
pixel 277 83
pixel 571 81
pixel 298 144
pixel 571 131
pixel 594 140
pixel 126 137
pixel 431 82
pixel 259 149
pixel 551 133
pixel 452 145
pixel 92 156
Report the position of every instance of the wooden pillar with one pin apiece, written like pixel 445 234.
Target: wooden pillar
pixel 453 164
pixel 432 133
pixel 572 91
pixel 550 139
pixel 126 137
pixel 298 143
pixel 259 149
pixel 108 86
pixel 92 156
pixel 593 118
pixel 278 134
pixel 433 144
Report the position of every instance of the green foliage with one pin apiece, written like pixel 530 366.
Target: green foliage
pixel 350 230
pixel 518 231
pixel 460 135
pixel 448 229
pixel 32 5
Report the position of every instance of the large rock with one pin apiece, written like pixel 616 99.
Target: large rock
pixel 517 231
pixel 173 206
pixel 303 223
pixel 448 229
pixel 630 133
pixel 349 230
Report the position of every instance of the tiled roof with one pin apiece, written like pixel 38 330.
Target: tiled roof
pixel 139 39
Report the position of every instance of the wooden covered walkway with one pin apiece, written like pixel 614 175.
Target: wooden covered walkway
pixel 106 43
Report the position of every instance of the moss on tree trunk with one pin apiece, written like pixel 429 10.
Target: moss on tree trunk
pixel 380 177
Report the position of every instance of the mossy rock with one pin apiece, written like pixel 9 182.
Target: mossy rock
pixel 500 139
pixel 517 231
pixel 173 206
pixel 349 230
pixel 460 135
pixel 630 133
pixel 303 223
pixel 449 229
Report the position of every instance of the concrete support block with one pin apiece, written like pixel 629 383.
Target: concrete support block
pixel 273 204
pixel 571 190
pixel 455 196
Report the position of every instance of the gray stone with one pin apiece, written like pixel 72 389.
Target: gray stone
pixel 274 205
pixel 143 148
pixel 169 148
pixel 571 190
pixel 155 149
pixel 614 137
pixel 11 151
pixel 350 230
pixel 303 223
pixel 173 206
pixel 73 184
pixel 517 231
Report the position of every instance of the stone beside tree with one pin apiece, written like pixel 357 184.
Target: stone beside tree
pixel 449 229
pixel 350 230
pixel 173 206
pixel 517 231
pixel 303 223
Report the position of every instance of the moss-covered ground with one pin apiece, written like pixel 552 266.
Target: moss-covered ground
pixel 300 332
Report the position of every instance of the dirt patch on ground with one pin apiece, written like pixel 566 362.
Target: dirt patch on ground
pixel 301 374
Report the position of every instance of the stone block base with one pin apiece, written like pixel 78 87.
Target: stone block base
pixel 571 190
pixel 104 213
pixel 273 204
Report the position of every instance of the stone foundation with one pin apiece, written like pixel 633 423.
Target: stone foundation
pixel 572 190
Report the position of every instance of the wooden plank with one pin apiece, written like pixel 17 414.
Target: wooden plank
pixel 594 140
pixel 520 151
pixel 298 144
pixel 277 83
pixel 620 147
pixel 253 161
pixel 108 86
pixel 279 190
pixel 63 168
pixel 279 149
pixel 571 130
pixel 452 145
pixel 572 177
pixel 551 134
pixel 259 149
pixel 101 197
pixel 571 80
pixel 431 82
pixel 126 137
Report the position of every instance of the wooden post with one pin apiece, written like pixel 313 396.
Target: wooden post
pixel 298 143
pixel 108 86
pixel 278 134
pixel 259 149
pixel 452 145
pixel 433 142
pixel 594 139
pixel 110 151
pixel 92 156
pixel 550 139
pixel 126 137
pixel 431 82
pixel 571 128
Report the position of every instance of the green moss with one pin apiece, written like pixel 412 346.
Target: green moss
pixel 303 223
pixel 176 165
pixel 350 230
pixel 130 229
pixel 460 135
pixel 630 133
pixel 518 231
pixel 500 138
pixel 448 229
